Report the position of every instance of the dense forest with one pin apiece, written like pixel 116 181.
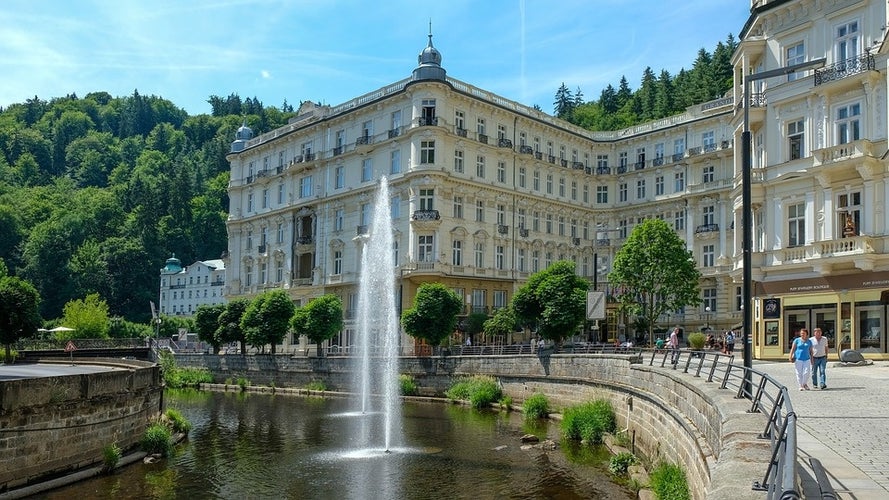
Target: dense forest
pixel 97 192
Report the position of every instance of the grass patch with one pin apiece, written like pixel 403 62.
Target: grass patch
pixel 178 378
pixel 536 406
pixel 316 385
pixel 505 402
pixel 668 482
pixel 243 383
pixel 111 455
pixel 177 422
pixel 479 390
pixel 407 385
pixel 620 463
pixel 589 422
pixel 157 440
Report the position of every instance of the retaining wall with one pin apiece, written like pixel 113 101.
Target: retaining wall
pixel 670 415
pixel 50 426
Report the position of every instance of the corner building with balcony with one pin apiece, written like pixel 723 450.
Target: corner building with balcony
pixel 486 191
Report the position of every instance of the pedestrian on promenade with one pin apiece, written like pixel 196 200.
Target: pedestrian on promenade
pixel 819 355
pixel 801 355
pixel 674 345
pixel 729 342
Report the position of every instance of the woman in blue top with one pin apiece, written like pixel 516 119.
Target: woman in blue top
pixel 801 353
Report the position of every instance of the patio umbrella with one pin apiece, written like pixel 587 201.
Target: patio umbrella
pixel 61 329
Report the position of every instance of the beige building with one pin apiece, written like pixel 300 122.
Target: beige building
pixel 486 191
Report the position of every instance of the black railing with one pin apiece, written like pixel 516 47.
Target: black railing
pixel 363 140
pixel 707 228
pixel 461 132
pixel 622 169
pixel 428 121
pixel 551 159
pixel 848 67
pixel 309 156
pixel 603 170
pixel 504 143
pixel 538 155
pixel 482 138
pixel 502 229
pixel 657 162
pixel 304 240
pixel 528 150
pixel 577 165
pixel 639 165
pixel 677 156
pixel 337 150
pixel 426 215
pixel 362 229
pixel 395 132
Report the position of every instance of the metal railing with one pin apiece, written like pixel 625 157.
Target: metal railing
pixel 766 395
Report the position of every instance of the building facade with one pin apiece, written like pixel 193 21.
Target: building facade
pixel 486 191
pixel 184 289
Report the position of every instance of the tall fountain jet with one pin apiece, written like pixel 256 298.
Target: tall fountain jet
pixel 378 332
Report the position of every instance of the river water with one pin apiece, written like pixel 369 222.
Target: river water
pixel 258 446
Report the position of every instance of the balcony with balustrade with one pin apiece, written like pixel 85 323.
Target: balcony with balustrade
pixel 860 251
pixel 426 219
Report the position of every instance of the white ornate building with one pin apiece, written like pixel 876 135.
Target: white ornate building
pixel 182 290
pixel 486 191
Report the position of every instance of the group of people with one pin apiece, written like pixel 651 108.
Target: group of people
pixel 809 356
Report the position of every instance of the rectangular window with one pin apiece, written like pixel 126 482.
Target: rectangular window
pixel 281 192
pixel 340 140
pixel 586 193
pixel 458 207
pixel 479 254
pixel 501 214
pixel 679 182
pixel 339 175
pixel 460 121
pixel 424 248
pixel 479 211
pixel 601 162
pixel 549 223
pixel 365 214
pixel 457 253
pixel 622 192
pixel 265 198
pixel 337 262
pixel 279 233
pixel 536 221
pixel 520 265
pixel 659 185
pixel 847 45
pixel 305 150
pixel 794 54
pixel 499 299
pixel 367 130
pixel 279 272
pixel 263 273
pixel 849 214
pixel 479 301
pixel 536 180
pixel 640 189
pixel 480 126
pixel 795 139
pixel 305 187
pixel 499 262
pixel 250 204
pixel 848 123
pixel 367 169
pixel 796 225
pixel 679 221
pixel 707 174
pixel 501 172
pixel 395 207
pixel 458 161
pixel 520 217
pixel 338 218
pixel 708 140
pixel 426 198
pixel 622 159
pixel 395 162
pixel 574 190
pixel 561 226
pixel 561 187
pixel 709 257
pixel 395 119
pixel 678 148
pixel 480 166
pixel 709 212
pixel 709 301
pixel 427 152
pixel 549 184
pixel 535 261
pixel 521 177
pixel 601 194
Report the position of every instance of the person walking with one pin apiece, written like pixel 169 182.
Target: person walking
pixel 729 342
pixel 821 349
pixel 674 345
pixel 801 355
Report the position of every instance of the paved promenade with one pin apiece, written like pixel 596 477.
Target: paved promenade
pixel 846 427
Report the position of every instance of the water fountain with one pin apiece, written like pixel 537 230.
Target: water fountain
pixel 378 334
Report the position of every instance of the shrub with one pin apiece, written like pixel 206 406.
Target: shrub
pixel 111 456
pixel 668 482
pixel 408 385
pixel 619 463
pixel 177 378
pixel 157 440
pixel 13 354
pixel 536 406
pixel 178 423
pixel 316 385
pixel 589 422
pixel 506 402
pixel 697 340
pixel 243 383
pixel 479 390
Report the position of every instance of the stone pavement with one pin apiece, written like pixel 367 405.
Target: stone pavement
pixel 846 427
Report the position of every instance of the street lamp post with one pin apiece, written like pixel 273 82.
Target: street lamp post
pixel 707 313
pixel 747 207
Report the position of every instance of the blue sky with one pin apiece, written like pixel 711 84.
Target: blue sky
pixel 331 51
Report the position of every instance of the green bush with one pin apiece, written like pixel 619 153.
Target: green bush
pixel 408 385
pixel 178 423
pixel 177 378
pixel 668 482
pixel 589 422
pixel 536 406
pixel 243 383
pixel 12 355
pixel 506 402
pixel 111 456
pixel 157 440
pixel 620 463
pixel 697 340
pixel 479 390
pixel 316 385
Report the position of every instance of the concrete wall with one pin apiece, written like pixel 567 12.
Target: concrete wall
pixel 672 416
pixel 53 425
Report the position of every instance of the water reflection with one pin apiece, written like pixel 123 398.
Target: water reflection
pixel 268 446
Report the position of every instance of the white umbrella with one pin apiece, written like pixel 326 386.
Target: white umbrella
pixel 61 329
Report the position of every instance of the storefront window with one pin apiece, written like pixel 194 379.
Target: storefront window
pixel 869 320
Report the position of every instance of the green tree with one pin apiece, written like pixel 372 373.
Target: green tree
pixel 654 273
pixel 434 314
pixel 88 317
pixel 564 103
pixel 501 324
pixel 475 324
pixel 206 323
pixel 19 310
pixel 554 299
pixel 230 323
pixel 319 320
pixel 267 318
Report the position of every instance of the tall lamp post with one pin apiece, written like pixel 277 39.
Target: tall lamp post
pixel 747 206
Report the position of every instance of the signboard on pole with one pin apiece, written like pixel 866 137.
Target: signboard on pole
pixel 595 305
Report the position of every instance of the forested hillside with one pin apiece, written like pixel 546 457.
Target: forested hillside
pixel 97 192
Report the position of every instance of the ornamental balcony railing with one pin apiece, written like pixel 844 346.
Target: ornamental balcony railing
pixel 527 150
pixel 577 165
pixel 461 132
pixel 304 240
pixel 363 140
pixel 426 215
pixel 428 121
pixel 502 229
pixel 603 170
pixel 504 143
pixel 482 138
pixel 847 67
pixel 395 132
pixel 707 228
pixel 538 155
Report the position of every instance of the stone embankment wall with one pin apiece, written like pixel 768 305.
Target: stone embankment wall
pixel 670 415
pixel 53 425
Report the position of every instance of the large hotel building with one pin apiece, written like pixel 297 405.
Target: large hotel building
pixel 486 191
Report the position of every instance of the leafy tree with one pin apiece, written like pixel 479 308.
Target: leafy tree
pixel 267 318
pixel 319 320
pixel 206 323
pixel 554 299
pixel 230 323
pixel 501 324
pixel 19 310
pixel 654 273
pixel 434 314
pixel 88 317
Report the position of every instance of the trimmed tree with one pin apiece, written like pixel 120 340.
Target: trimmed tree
pixel 267 318
pixel 230 324
pixel 88 317
pixel 434 314
pixel 19 311
pixel 501 324
pixel 319 320
pixel 206 323
pixel 553 299
pixel 654 273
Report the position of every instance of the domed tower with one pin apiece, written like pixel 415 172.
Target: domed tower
pixel 243 135
pixel 172 266
pixel 429 61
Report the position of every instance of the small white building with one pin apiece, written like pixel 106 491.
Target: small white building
pixel 183 289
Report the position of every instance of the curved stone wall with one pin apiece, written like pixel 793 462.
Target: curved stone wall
pixel 671 415
pixel 53 425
